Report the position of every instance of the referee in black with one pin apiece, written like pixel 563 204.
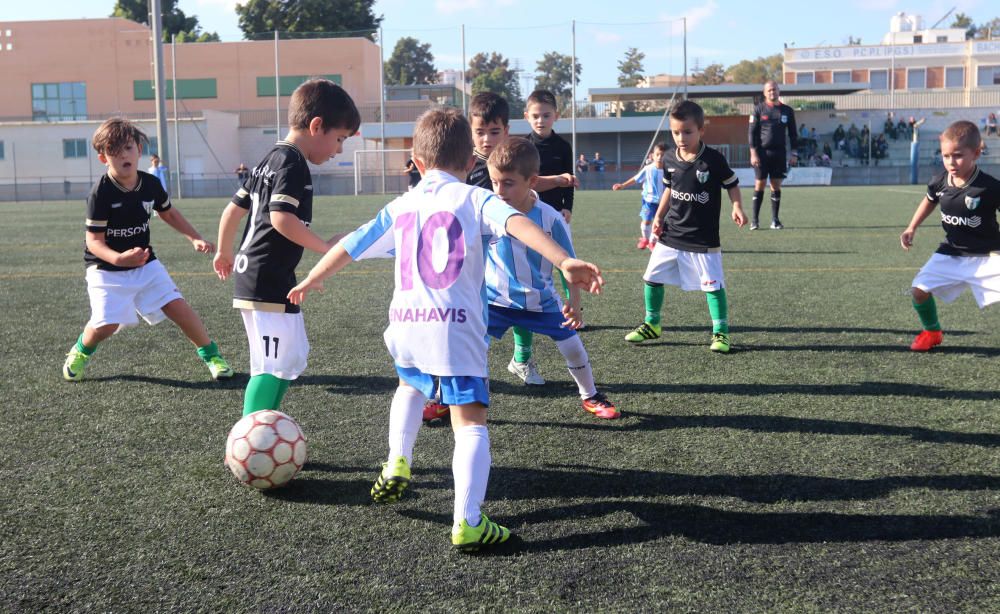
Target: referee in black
pixel 768 123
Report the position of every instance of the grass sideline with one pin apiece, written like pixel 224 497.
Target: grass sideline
pixel 820 466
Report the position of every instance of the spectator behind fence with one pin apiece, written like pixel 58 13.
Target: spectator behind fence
pixel 991 125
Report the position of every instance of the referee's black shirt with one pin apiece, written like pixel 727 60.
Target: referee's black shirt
pixel 768 125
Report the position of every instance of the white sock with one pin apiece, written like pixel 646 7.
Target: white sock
pixel 645 229
pixel 470 467
pixel 578 364
pixel 405 416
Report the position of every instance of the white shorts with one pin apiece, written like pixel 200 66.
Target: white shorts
pixel 689 270
pixel 120 297
pixel 946 277
pixel 278 343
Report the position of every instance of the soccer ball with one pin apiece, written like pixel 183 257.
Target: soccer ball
pixel 265 449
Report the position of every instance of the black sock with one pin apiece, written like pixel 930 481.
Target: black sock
pixel 758 197
pixel 775 204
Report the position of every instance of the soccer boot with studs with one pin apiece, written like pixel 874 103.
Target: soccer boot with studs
pixel 470 539
pixel 600 406
pixel 76 363
pixel 720 343
pixel 392 482
pixel 644 332
pixel 219 368
pixel 527 371
pixel 926 340
pixel 434 410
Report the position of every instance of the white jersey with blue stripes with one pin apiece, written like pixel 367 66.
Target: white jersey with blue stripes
pixel 517 276
pixel 438 233
pixel 651 180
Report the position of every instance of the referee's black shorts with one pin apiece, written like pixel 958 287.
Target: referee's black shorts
pixel 773 164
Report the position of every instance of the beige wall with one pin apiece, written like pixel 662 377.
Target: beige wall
pixel 110 54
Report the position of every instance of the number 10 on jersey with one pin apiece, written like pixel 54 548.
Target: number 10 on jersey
pixel 423 250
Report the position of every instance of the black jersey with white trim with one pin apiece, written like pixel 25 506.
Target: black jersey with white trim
pixel 692 222
pixel 968 213
pixel 768 126
pixel 123 215
pixel 480 174
pixel 265 263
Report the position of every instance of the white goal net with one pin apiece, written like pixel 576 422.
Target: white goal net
pixel 380 171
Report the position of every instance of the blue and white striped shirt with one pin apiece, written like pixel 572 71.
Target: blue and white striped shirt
pixel 651 180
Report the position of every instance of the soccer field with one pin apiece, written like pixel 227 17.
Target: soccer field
pixel 819 466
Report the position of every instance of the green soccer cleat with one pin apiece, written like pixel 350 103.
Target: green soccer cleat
pixel 720 343
pixel 471 539
pixel 76 363
pixel 219 368
pixel 392 482
pixel 644 332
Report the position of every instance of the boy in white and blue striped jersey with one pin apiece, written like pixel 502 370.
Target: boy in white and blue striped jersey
pixel 519 285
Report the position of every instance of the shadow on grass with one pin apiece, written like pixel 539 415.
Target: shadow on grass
pixel 833 330
pixel 633 421
pixel 778 251
pixel 341 384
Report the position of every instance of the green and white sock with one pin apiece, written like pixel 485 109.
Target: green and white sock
pixel 653 296
pixel 928 314
pixel 523 342
pixel 206 352
pixel 264 391
pixel 80 347
pixel 718 308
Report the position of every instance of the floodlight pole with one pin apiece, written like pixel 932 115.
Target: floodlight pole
pixel 177 134
pixel 156 19
pixel 277 92
pixel 465 103
pixel 685 77
pixel 572 81
pixel 381 101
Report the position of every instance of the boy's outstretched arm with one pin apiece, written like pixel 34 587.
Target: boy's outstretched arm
pixel 334 260
pixel 923 210
pixel 292 228
pixel 549 182
pixel 223 262
pixel 577 272
pixel 738 215
pixel 178 222
pixel 623 185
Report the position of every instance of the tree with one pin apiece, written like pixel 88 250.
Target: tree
pixel 493 73
pixel 175 22
pixel 630 70
pixel 962 20
pixel 713 74
pixel 756 71
pixel 553 74
pixel 307 16
pixel 988 30
pixel 411 63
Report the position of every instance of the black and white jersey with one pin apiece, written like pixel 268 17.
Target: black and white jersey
pixel 123 215
pixel 265 262
pixel 556 157
pixel 768 126
pixel 480 174
pixel 968 214
pixel 695 186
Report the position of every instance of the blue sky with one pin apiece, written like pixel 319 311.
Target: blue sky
pixel 719 31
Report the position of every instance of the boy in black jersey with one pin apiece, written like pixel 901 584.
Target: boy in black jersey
pixel 278 196
pixel 686 226
pixel 969 257
pixel 123 275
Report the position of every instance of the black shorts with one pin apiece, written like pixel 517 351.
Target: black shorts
pixel 773 164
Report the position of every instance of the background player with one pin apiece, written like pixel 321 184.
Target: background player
pixel 969 257
pixel 279 199
pixel 686 225
pixel 650 177
pixel 519 281
pixel 123 275
pixel 437 319
pixel 769 122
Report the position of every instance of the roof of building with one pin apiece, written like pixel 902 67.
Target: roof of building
pixel 728 90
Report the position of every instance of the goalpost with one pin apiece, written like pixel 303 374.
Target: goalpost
pixel 375 168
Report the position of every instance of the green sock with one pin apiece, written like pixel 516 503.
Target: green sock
pixel 928 314
pixel 564 284
pixel 264 391
pixel 653 296
pixel 81 347
pixel 208 351
pixel 718 308
pixel 523 339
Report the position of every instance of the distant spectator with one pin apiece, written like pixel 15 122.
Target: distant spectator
pixel 937 157
pixel 242 173
pixel 803 132
pixel 155 168
pixel 890 128
pixel 902 130
pixel 598 164
pixel 582 165
pixel 914 126
pixel 838 136
pixel 991 125
pixel 827 151
pixel 413 172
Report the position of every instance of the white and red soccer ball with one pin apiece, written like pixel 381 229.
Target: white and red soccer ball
pixel 265 449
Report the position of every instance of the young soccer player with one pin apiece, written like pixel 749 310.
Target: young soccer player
pixel 279 199
pixel 650 177
pixel 123 275
pixel 969 257
pixel 437 317
pixel 686 226
pixel 519 284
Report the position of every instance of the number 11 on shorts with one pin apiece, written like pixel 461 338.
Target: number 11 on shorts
pixel 267 346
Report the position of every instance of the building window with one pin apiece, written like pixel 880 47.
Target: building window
pixel 917 39
pixel 878 80
pixel 74 148
pixel 59 101
pixel 942 39
pixel 988 75
pixel 804 78
pixel 841 76
pixel 916 78
pixel 954 77
pixel 186 89
pixel 265 85
pixel 1 150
